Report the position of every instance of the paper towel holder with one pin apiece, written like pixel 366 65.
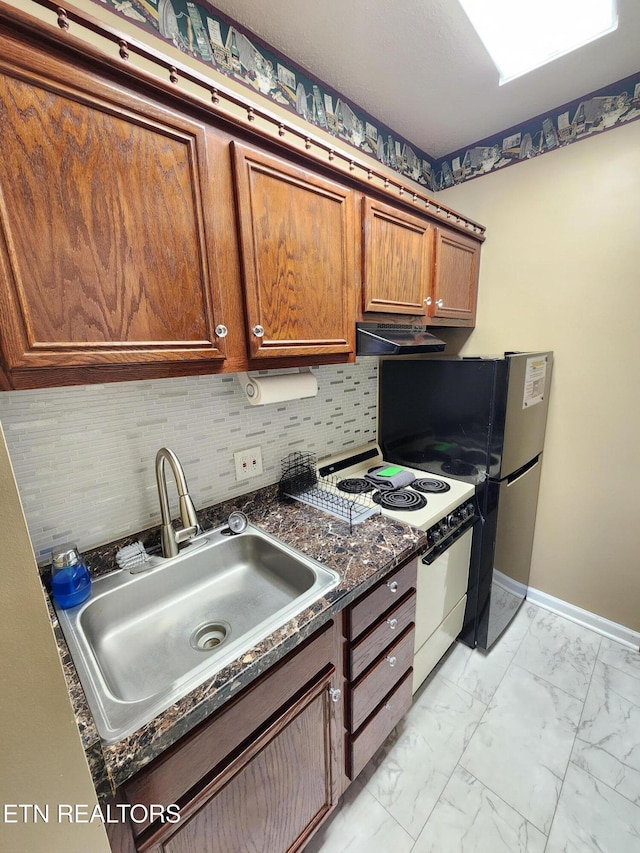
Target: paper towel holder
pixel 251 385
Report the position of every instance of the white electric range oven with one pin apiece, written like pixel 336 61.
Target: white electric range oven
pixel 442 507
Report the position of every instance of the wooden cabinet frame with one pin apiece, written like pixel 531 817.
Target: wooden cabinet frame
pixel 296 236
pixel 294 711
pixel 396 260
pixel 260 773
pixel 118 272
pixel 455 279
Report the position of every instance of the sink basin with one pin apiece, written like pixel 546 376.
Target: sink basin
pixel 142 641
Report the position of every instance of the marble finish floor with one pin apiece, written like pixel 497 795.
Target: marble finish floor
pixel 533 746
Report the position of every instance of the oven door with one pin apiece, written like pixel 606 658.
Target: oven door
pixel 440 603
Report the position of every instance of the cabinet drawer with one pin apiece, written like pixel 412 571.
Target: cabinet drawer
pixel 379 599
pixel 384 632
pixel 369 691
pixel 188 761
pixel 375 732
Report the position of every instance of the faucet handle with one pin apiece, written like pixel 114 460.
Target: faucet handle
pixel 188 512
pixel 186 533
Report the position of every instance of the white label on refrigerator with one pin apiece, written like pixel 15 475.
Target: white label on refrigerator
pixel 535 379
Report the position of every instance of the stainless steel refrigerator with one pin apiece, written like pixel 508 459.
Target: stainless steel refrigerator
pixel 481 420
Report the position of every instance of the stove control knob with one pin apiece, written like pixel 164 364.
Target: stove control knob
pixel 436 535
pixel 452 520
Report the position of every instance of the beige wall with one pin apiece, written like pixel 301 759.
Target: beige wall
pixel 43 762
pixel 560 270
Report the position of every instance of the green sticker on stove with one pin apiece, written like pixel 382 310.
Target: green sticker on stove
pixel 390 471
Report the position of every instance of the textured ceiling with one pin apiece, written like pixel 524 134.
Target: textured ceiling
pixel 419 67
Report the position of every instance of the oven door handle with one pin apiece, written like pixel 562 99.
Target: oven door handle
pixel 441 547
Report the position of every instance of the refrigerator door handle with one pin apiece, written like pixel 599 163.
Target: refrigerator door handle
pixel 513 478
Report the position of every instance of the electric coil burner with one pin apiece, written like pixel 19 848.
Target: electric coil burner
pixel 355 486
pixel 401 499
pixel 430 485
pixel 430 501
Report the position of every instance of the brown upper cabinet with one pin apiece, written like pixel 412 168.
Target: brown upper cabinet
pixel 455 279
pixel 296 235
pixel 412 266
pixel 141 236
pixel 396 260
pixel 107 249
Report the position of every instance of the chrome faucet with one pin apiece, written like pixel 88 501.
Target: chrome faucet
pixel 171 537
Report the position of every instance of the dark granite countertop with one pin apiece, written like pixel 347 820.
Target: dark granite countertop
pixel 361 556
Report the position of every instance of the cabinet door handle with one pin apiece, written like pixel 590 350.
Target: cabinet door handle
pixel 221 331
pixel 428 300
pixel 258 331
pixel 387 707
pixel 392 660
pixel 335 694
pixel 393 585
pixel 440 303
pixel 392 623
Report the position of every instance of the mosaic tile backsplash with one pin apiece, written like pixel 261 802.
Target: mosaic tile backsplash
pixel 84 456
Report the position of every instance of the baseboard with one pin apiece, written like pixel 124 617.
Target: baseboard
pixel 603 626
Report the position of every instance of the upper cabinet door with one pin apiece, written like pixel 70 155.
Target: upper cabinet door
pixel 455 281
pixel 396 260
pixel 297 245
pixel 105 256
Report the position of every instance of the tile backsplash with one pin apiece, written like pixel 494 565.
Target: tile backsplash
pixel 84 456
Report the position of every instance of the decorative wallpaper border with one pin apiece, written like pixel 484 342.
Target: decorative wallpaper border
pixel 202 32
pixel 206 34
pixel 609 107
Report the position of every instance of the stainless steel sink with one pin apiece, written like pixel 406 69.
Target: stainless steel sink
pixel 142 641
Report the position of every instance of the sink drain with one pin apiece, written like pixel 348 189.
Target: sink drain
pixel 210 635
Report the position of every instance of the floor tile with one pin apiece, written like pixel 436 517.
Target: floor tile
pixel 561 652
pixel 522 745
pixel 360 825
pixel 408 775
pixel 621 657
pixel 479 671
pixel 592 818
pixel 608 742
pixel 470 818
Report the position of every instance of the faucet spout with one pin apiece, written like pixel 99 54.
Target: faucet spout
pixel 171 537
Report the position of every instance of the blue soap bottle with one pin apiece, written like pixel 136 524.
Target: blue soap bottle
pixel 70 579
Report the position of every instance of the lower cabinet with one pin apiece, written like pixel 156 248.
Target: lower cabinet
pixel 273 795
pixel 260 774
pixel 265 770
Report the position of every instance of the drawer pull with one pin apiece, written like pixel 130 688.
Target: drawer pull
pixel 393 585
pixel 335 694
pixel 387 707
pixel 392 623
pixel 392 659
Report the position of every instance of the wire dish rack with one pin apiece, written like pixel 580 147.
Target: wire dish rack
pixel 300 481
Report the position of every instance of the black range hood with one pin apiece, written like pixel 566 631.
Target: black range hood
pixel 391 339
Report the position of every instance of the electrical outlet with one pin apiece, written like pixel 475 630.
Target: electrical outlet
pixel 248 463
